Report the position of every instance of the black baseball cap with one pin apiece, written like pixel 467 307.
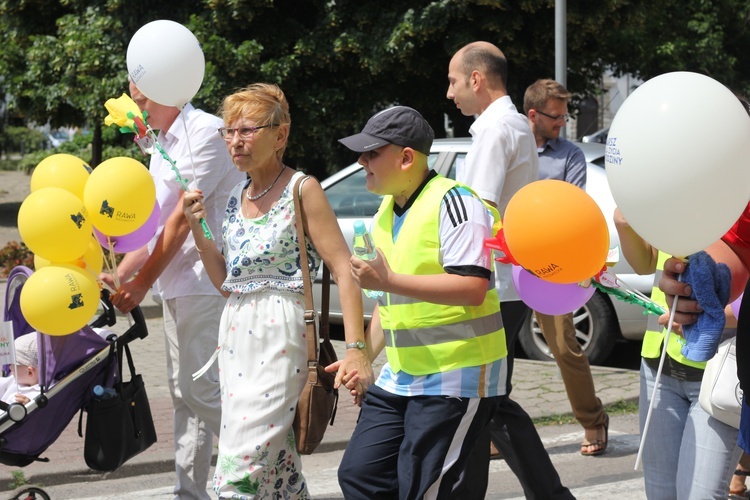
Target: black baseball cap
pixel 400 125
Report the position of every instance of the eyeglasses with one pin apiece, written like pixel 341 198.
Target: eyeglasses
pixel 246 133
pixel 557 118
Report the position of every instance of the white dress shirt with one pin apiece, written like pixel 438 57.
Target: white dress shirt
pixel 201 150
pixel 502 159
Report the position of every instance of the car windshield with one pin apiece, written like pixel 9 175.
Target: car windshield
pixel 350 198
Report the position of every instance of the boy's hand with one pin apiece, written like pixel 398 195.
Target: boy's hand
pixel 350 380
pixel 371 274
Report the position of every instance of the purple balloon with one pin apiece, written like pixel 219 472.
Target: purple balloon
pixel 136 239
pixel 736 306
pixel 547 297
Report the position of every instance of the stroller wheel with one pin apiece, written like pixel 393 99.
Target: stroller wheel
pixel 30 493
pixel 16 412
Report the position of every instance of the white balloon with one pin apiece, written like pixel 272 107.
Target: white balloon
pixel 166 63
pixel 678 163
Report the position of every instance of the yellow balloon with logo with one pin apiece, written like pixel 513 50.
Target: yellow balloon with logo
pixel 119 195
pixel 61 170
pixel 91 261
pixel 54 224
pixel 59 299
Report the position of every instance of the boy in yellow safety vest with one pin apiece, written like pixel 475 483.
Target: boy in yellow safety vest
pixel 438 320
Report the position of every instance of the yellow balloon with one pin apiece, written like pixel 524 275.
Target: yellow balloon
pixel 40 262
pixel 119 195
pixel 61 170
pixel 59 299
pixel 54 224
pixel 92 260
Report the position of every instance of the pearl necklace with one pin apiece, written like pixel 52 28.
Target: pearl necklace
pixel 265 192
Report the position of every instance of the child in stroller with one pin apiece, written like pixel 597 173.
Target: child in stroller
pixel 23 384
pixel 69 367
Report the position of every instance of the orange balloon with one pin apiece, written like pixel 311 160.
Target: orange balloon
pixel 556 231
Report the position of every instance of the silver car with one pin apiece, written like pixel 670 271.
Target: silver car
pixel 599 323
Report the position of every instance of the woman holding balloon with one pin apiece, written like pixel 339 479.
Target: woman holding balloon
pixel 682 200
pixel 262 351
pixel 683 438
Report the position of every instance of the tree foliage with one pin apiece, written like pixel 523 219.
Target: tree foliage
pixel 338 61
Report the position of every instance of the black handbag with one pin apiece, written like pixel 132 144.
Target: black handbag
pixel 119 427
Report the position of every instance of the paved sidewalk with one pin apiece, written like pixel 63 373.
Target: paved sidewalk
pixel 537 386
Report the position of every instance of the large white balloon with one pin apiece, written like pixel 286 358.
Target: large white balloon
pixel 678 162
pixel 166 63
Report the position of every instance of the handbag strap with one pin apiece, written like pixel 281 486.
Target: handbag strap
pixel 310 313
pixel 124 347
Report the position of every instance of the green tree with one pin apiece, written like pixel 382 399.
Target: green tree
pixel 704 36
pixel 339 61
pixel 66 58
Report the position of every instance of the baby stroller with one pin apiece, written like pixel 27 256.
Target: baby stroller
pixel 69 368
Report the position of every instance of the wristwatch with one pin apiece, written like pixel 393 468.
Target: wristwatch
pixel 356 345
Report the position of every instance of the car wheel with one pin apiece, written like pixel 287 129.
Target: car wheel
pixel 596 332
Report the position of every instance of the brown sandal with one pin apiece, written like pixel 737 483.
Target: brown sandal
pixel 600 444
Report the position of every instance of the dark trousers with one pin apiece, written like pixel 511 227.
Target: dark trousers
pixel 411 447
pixel 514 435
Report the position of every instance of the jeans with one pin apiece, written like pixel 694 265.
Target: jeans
pixel 687 453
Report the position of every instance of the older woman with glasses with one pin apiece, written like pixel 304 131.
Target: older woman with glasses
pixel 262 347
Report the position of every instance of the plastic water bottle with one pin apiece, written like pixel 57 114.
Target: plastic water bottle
pixel 364 248
pixel 104 392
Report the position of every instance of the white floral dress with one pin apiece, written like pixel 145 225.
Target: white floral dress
pixel 262 352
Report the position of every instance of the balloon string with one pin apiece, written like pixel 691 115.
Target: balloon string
pixel 657 380
pixel 112 264
pixel 181 180
pixel 204 225
pixel 190 149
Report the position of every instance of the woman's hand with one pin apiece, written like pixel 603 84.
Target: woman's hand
pixel 354 372
pixel 193 208
pixel 676 327
pixel 687 310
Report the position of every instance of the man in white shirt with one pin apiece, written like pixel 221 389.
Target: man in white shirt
pixel 502 159
pixel 170 263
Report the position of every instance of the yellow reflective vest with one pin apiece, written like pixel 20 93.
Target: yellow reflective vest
pixel 422 338
pixel 654 336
